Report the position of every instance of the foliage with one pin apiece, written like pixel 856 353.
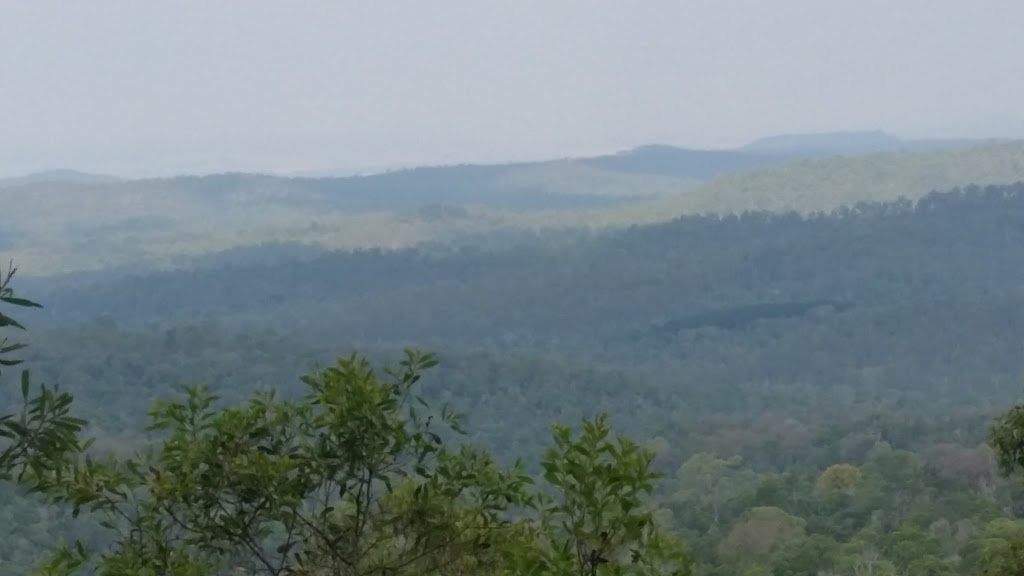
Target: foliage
pixel 7 297
pixel 599 520
pixel 1004 550
pixel 354 479
pixel 860 423
pixel 764 529
pixel 644 291
pixel 708 484
pixel 839 477
pixel 43 435
pixel 1007 439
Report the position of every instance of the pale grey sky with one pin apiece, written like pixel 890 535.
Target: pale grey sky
pixel 154 87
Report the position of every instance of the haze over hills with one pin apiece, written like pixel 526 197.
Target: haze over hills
pixel 66 221
pixel 829 182
pixel 656 158
pixel 67 176
pixel 846 142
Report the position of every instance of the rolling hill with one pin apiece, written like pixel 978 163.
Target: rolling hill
pixel 64 221
pixel 809 185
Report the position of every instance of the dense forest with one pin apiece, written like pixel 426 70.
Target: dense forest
pixel 819 389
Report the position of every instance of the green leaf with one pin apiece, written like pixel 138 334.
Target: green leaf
pixel 12 348
pixel 8 321
pixel 19 302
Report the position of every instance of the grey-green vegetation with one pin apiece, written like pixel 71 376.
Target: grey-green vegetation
pixel 817 376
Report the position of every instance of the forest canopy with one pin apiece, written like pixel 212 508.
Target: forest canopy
pixel 815 393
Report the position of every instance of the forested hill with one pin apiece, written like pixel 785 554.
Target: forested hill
pixel 829 182
pixel 949 247
pixel 65 222
pixel 818 388
pixel 818 318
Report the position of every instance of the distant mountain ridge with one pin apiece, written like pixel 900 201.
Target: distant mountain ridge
pixel 819 183
pixel 706 163
pixel 63 221
pixel 843 140
pixel 63 175
pixel 682 162
pixel 652 158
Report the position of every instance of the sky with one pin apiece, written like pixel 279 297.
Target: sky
pixel 169 86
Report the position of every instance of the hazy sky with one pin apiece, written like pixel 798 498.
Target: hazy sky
pixel 144 87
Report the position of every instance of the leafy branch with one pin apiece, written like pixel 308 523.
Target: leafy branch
pixel 42 438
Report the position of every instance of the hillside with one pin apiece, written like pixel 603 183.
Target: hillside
pixel 827 183
pixel 63 225
pixel 593 289
pixel 759 351
pixel 66 222
pixel 818 184
pixel 915 299
pixel 66 176
pixel 761 153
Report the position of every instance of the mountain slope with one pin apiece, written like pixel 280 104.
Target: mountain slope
pixel 600 288
pixel 828 183
pixel 56 223
pixel 814 185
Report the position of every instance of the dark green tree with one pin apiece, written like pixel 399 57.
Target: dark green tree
pixel 594 516
pixel 43 435
pixel 1004 555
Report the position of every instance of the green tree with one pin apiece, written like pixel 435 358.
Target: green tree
pixel 838 478
pixel 708 484
pixel 914 550
pixel 357 479
pixel 43 435
pixel 1007 439
pixel 1003 553
pixel 593 515
pixel 861 558
pixel 811 555
pixel 763 531
pixel 1004 559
